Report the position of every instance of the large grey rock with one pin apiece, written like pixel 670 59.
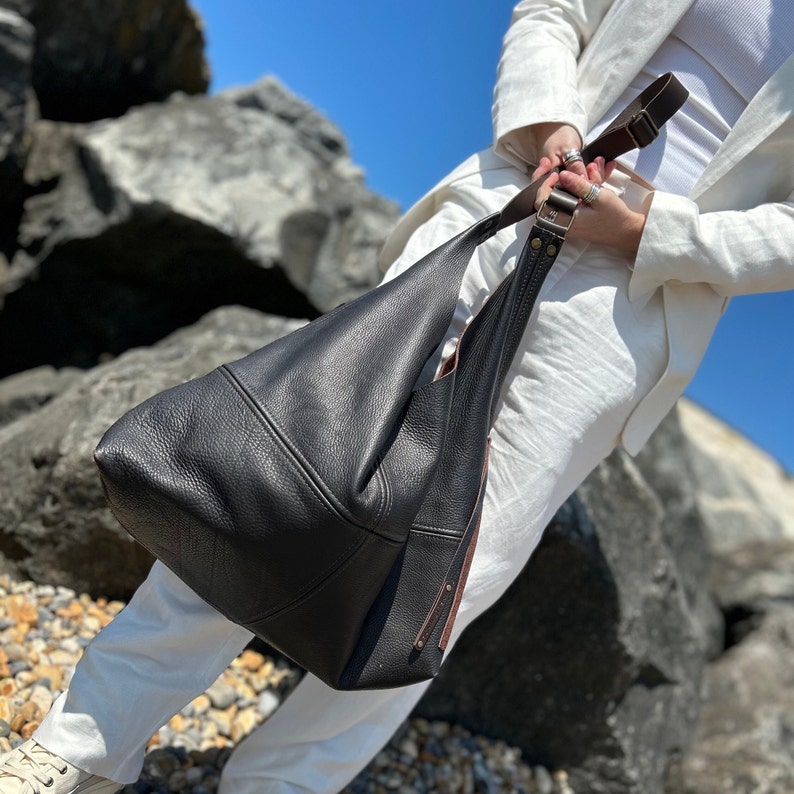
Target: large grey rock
pixel 745 740
pixel 328 250
pixel 18 110
pixel 752 580
pixel 743 493
pixel 97 58
pixel 27 391
pixel 592 660
pixel 665 463
pixel 746 502
pixel 54 523
pixel 52 153
pixel 174 209
pixel 757 576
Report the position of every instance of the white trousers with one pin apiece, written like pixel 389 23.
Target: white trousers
pixel 586 360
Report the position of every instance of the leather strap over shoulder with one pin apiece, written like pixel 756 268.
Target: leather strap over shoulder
pixel 639 124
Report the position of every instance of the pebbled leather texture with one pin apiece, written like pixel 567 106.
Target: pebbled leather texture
pixel 310 493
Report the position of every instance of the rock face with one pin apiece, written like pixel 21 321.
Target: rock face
pixel 97 58
pixel 157 217
pixel 666 465
pixel 82 60
pixel 743 493
pixel 607 660
pixel 744 740
pixel 23 393
pixel 55 525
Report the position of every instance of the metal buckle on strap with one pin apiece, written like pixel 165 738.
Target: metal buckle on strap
pixel 642 129
pixel 559 205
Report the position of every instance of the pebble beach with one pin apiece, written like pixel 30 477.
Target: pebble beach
pixel 44 629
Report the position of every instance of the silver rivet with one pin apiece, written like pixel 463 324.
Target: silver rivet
pixel 536 243
pixel 449 587
pixel 420 644
pixel 551 250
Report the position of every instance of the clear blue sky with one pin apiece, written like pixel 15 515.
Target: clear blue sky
pixel 410 82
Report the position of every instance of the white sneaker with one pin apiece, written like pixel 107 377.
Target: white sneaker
pixel 30 769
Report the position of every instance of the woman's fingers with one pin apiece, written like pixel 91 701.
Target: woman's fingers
pixel 578 185
pixel 599 170
pixel 603 217
pixel 544 166
pixel 546 188
pixel 595 171
pixel 577 178
pixel 556 140
pixel 577 167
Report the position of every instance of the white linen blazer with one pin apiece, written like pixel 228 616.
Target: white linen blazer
pixel 569 61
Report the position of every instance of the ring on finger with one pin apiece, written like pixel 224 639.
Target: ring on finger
pixel 571 156
pixel 590 197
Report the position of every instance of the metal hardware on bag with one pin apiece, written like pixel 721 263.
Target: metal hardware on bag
pixel 433 615
pixel 632 129
pixel 558 203
pixel 490 228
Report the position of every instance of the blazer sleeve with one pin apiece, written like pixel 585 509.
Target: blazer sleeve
pixel 734 251
pixel 537 73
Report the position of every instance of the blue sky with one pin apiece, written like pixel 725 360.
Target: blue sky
pixel 410 84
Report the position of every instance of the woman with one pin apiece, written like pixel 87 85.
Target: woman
pixel 622 323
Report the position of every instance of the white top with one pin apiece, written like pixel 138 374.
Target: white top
pixel 723 53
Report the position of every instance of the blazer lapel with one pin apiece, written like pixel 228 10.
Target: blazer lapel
pixel 770 107
pixel 625 40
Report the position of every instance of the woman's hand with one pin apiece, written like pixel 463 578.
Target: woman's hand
pixel 607 220
pixel 558 139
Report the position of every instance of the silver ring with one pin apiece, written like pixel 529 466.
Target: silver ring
pixel 572 156
pixel 592 194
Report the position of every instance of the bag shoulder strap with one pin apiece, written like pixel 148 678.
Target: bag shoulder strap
pixel 640 122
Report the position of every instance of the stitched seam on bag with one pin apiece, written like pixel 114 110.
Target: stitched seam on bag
pixel 439 531
pixel 324 496
pixel 330 576
pixel 311 587
pixel 331 571
pixel 332 568
pixel 443 539
pixel 385 493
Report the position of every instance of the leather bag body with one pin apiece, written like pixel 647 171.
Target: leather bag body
pixel 311 492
